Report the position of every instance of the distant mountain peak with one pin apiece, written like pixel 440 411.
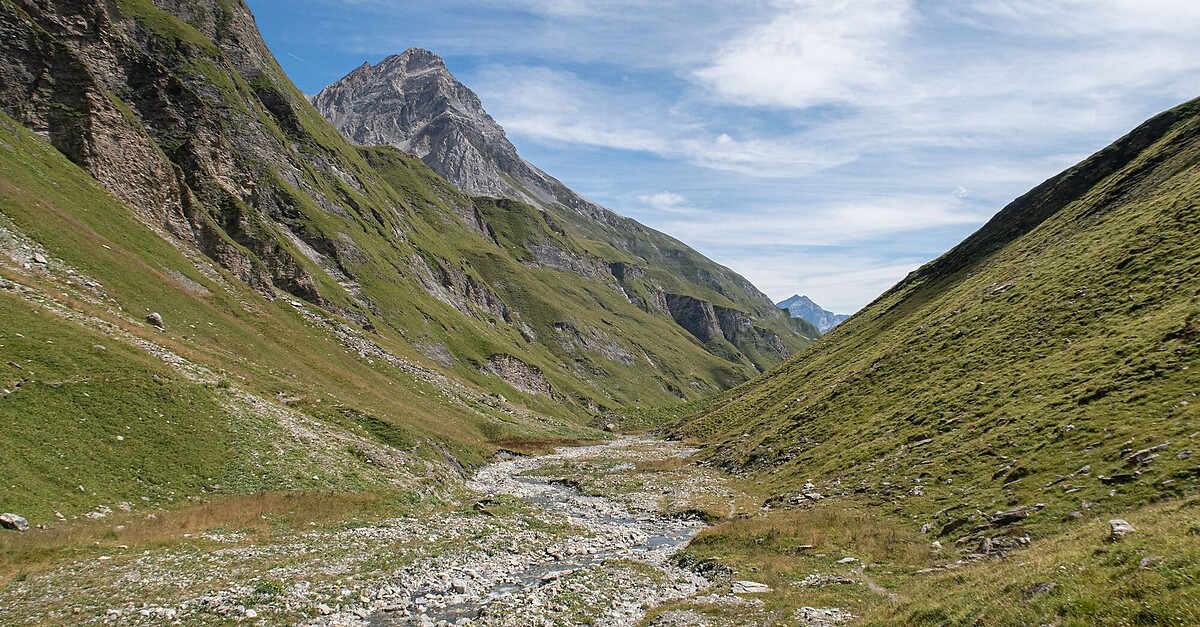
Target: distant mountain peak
pixel 803 307
pixel 412 102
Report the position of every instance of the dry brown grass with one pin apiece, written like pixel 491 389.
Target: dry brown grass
pixel 662 465
pixel 775 538
pixel 257 515
pixel 539 447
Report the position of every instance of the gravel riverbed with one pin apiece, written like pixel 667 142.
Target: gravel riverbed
pixel 526 548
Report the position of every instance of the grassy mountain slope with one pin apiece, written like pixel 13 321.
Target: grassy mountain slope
pixel 238 394
pixel 411 101
pixel 336 319
pixel 179 110
pixel 1049 361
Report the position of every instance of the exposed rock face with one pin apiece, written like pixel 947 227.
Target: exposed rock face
pixel 707 321
pixel 435 117
pixel 695 315
pixel 146 123
pixel 520 375
pixel 455 287
pixel 802 307
pixel 411 101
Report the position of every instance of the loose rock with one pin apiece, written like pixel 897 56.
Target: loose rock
pixel 1119 529
pixel 1038 589
pixel 14 522
pixel 749 587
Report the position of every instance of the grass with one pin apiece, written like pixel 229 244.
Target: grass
pixel 1033 373
pixel 260 516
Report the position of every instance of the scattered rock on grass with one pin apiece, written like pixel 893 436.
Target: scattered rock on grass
pixel 749 587
pixel 1038 589
pixel 14 522
pixel 1148 561
pixel 822 616
pixel 1119 529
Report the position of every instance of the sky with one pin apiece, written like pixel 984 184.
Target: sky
pixel 820 147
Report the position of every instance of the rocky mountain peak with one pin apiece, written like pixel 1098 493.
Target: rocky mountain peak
pixel 799 306
pixel 413 102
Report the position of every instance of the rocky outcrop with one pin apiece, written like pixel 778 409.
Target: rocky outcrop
pixel 520 375
pixel 638 287
pixel 695 315
pixel 574 340
pixel 453 286
pixel 137 97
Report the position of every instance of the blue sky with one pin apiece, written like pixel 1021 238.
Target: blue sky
pixel 825 147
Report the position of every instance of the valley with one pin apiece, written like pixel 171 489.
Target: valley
pixel 349 359
pixel 514 546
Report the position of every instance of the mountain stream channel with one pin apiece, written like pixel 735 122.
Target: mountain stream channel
pixel 609 557
pixel 582 536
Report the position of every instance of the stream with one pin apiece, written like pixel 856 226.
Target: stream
pixel 607 564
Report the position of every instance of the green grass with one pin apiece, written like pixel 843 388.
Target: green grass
pixel 96 421
pixel 983 383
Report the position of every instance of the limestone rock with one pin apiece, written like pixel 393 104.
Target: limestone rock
pixel 1119 529
pixel 749 587
pixel 14 522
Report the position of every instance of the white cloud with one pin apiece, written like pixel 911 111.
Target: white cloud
pixel 814 52
pixel 554 106
pixel 664 201
pixel 832 144
pixel 838 224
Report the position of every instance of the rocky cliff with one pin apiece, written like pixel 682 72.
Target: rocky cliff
pixel 412 102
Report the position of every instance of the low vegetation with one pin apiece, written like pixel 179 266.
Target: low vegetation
pixel 1005 401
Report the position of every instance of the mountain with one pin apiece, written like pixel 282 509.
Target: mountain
pixel 802 307
pixel 413 103
pixel 1015 394
pixel 324 311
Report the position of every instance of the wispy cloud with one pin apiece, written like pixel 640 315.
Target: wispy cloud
pixel 809 144
pixel 814 52
pixel 556 106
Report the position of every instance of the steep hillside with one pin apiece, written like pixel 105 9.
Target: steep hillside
pixel 412 102
pixel 156 159
pixel 1035 381
pixel 182 113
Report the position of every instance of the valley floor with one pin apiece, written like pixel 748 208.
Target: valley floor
pixel 585 535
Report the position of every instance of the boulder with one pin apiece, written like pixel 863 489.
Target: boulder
pixel 1016 514
pixel 1039 589
pixel 156 319
pixel 1119 529
pixel 749 587
pixel 14 522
